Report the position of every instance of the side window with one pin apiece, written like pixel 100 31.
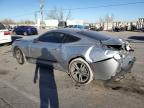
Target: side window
pixel 70 38
pixel 18 28
pixel 52 37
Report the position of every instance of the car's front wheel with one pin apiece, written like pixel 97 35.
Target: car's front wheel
pixel 80 71
pixel 19 56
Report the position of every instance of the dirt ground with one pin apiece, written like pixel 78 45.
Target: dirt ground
pixel 19 89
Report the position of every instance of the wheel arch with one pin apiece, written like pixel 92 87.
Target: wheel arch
pixel 17 47
pixel 90 70
pixel 76 58
pixel 14 49
pixel 71 59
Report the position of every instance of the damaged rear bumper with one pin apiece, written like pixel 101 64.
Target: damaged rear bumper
pixel 112 68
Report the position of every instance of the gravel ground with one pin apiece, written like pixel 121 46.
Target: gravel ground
pixel 54 88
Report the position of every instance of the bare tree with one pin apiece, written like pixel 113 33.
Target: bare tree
pixel 53 14
pixel 101 20
pixel 59 14
pixel 68 15
pixel 109 18
pixel 8 21
pixel 27 22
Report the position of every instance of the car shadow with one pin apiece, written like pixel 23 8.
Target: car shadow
pixel 140 38
pixel 47 85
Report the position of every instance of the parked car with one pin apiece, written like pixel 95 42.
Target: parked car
pixel 142 29
pixel 25 30
pixel 80 27
pixel 5 36
pixel 94 28
pixel 83 54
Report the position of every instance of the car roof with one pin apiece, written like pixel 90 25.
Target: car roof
pixel 70 30
pixel 84 32
pixel 25 26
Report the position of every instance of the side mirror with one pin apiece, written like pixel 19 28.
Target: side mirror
pixel 35 40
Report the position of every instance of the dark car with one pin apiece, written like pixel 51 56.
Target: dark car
pixel 25 30
pixel 142 29
pixel 80 27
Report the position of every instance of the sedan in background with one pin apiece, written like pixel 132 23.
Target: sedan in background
pixel 5 36
pixel 80 27
pixel 25 30
pixel 83 54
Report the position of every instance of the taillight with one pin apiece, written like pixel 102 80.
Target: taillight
pixel 6 33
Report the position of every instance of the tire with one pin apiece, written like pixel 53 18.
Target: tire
pixel 19 56
pixel 25 33
pixel 80 71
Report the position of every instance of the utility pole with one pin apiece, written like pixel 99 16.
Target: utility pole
pixel 35 15
pixel 41 9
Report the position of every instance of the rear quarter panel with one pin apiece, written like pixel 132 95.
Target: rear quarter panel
pixel 74 50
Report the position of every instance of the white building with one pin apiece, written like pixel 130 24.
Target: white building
pixel 51 23
pixel 75 22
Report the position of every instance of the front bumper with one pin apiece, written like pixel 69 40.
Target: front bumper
pixel 109 68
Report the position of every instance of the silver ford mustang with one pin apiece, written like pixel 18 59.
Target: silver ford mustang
pixel 83 54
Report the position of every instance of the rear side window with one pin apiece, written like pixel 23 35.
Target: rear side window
pixel 52 37
pixel 69 38
pixel 2 26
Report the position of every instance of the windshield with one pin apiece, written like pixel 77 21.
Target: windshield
pixel 94 35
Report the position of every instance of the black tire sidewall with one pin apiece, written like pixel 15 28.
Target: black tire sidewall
pixel 21 56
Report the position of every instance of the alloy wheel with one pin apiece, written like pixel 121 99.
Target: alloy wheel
pixel 80 72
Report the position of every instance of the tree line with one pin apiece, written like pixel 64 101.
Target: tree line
pixel 11 21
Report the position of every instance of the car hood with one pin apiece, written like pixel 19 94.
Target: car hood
pixel 113 41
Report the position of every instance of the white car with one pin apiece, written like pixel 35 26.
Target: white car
pixel 5 36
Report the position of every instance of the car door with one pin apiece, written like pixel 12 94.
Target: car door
pixel 47 47
pixel 18 30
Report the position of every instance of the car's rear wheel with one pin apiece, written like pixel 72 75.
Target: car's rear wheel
pixel 19 56
pixel 80 71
